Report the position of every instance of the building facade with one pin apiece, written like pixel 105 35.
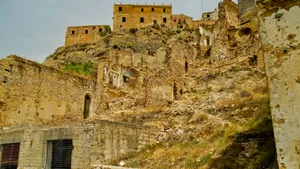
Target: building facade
pixel 85 34
pixel 128 16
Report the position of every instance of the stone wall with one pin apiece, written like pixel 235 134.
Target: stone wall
pixel 181 19
pixel 32 93
pixel 94 142
pixel 85 34
pixel 128 16
pixel 210 16
pixel 280 35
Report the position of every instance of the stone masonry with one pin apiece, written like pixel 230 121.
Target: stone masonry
pixel 85 34
pixel 33 92
pixel 128 16
pixel 94 142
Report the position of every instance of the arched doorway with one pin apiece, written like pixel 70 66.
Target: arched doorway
pixel 87 104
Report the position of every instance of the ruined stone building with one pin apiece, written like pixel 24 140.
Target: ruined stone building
pixel 127 16
pixel 190 70
pixel 46 111
pixel 84 34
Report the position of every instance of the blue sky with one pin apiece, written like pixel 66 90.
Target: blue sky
pixel 33 29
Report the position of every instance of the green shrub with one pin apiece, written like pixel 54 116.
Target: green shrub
pixel 133 30
pixel 107 29
pixel 80 67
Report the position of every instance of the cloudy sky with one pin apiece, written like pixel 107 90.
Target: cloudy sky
pixel 33 29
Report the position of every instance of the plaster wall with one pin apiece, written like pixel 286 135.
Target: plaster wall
pixel 280 35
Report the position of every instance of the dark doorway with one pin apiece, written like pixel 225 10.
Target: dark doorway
pixel 87 103
pixel 10 156
pixel 59 154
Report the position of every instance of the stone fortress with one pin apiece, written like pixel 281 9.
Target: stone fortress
pixel 39 118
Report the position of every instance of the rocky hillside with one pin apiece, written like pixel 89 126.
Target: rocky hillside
pixel 219 116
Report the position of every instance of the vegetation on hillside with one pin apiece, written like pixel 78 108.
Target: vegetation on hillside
pixel 85 68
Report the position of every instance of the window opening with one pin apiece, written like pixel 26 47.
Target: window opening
pixel 142 10
pixel 59 154
pixel 141 19
pixel 120 9
pixel 186 66
pixel 124 19
pixel 10 156
pixel 5 79
pixel 100 30
pixel 87 103
pixel 86 31
pixel 165 20
pixel 152 9
pixel 73 32
pixel 164 10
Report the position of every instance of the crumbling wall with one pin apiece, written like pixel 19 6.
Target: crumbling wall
pixel 94 142
pixel 208 16
pixel 280 35
pixel 31 92
pixel 181 19
pixel 85 34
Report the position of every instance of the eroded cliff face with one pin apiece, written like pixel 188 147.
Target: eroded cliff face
pixel 280 36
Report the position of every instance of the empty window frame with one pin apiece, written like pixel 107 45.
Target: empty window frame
pixel 87 104
pixel 73 32
pixel 142 9
pixel 141 19
pixel 164 10
pixel 10 156
pixel 59 154
pixel 86 31
pixel 100 29
pixel 123 19
pixel 120 9
pixel 152 9
pixel 208 15
pixel 164 20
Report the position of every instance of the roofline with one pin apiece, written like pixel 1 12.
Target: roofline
pixel 148 5
pixel 86 26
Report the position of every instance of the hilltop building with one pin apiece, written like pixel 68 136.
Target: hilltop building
pixel 84 34
pixel 126 16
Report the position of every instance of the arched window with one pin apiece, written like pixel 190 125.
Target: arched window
pixel 87 104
